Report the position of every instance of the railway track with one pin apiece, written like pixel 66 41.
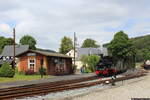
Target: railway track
pixel 45 88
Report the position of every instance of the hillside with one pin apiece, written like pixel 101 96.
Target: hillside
pixel 142 42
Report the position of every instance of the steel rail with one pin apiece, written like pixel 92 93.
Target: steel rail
pixel 42 91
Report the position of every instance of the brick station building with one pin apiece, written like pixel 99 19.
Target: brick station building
pixel 32 60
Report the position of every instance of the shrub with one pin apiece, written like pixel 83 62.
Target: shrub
pixel 6 70
pixel 87 70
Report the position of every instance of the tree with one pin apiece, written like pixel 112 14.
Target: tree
pixel 142 45
pixel 66 45
pixel 146 54
pixel 5 41
pixel 122 48
pixel 28 40
pixel 89 43
pixel 91 61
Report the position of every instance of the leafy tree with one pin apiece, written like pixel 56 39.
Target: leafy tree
pixel 6 70
pixel 66 45
pixel 5 41
pixel 146 54
pixel 91 61
pixel 122 48
pixel 142 46
pixel 89 43
pixel 28 40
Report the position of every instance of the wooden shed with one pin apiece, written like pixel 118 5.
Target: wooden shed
pixel 55 63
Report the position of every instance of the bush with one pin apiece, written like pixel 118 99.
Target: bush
pixel 87 70
pixel 6 70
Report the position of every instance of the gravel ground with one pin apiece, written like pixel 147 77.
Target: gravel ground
pixel 134 88
pixel 138 87
pixel 65 94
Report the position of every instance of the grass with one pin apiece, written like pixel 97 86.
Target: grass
pixel 19 77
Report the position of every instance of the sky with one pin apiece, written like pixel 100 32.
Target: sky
pixel 50 20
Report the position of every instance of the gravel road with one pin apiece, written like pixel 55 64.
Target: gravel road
pixel 135 88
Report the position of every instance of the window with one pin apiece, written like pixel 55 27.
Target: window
pixel 59 64
pixel 31 63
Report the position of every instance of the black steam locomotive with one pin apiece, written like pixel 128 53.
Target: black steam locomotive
pixel 104 67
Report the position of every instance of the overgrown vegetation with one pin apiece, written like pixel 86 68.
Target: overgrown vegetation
pixel 6 70
pixel 90 62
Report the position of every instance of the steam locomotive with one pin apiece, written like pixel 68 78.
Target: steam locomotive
pixel 104 67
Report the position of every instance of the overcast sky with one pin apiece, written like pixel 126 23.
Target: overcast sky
pixel 49 20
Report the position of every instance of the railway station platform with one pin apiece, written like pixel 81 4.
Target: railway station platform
pixel 52 79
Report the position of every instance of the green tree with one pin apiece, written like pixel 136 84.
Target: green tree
pixel 146 54
pixel 28 40
pixel 122 48
pixel 142 46
pixel 5 41
pixel 90 61
pixel 66 45
pixel 89 43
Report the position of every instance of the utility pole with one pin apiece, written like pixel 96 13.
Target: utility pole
pixel 75 39
pixel 14 48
